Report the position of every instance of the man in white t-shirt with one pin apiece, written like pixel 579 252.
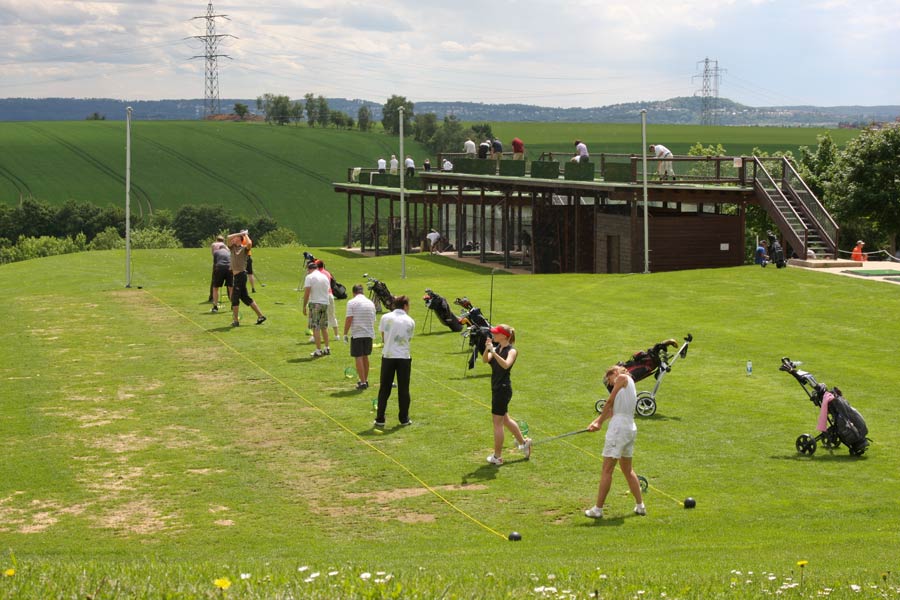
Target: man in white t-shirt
pixel 395 164
pixel 397 329
pixel 410 165
pixel 663 167
pixel 434 239
pixel 382 166
pixel 360 324
pixel 446 166
pixel 470 148
pixel 581 152
pixel 315 298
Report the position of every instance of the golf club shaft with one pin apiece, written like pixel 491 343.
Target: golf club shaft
pixel 556 437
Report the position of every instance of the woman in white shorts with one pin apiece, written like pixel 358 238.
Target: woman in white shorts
pixel 619 445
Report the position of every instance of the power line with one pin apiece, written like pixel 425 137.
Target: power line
pixel 211 41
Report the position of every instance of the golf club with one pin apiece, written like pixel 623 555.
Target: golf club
pixel 557 437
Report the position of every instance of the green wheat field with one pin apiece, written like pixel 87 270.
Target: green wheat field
pixel 150 450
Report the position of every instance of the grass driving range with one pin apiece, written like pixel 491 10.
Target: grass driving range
pixel 150 450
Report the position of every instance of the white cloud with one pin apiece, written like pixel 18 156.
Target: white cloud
pixel 580 52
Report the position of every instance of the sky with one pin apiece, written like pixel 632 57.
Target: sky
pixel 566 54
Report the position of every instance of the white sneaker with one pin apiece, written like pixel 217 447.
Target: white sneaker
pixel 312 339
pixel 494 460
pixel 594 513
pixel 640 509
pixel 526 448
pixel 317 353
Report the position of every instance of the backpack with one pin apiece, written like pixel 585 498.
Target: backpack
pixel 338 290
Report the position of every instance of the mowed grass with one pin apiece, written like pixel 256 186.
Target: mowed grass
pixel 149 448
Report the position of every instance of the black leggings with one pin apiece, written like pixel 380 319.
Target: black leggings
pixel 402 367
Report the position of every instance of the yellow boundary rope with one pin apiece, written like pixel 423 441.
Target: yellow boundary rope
pixel 324 413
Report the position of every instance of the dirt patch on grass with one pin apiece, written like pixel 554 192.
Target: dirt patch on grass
pixel 122 442
pixel 385 496
pixel 138 516
pixel 34 516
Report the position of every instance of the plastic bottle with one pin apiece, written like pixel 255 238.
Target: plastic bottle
pixel 749 368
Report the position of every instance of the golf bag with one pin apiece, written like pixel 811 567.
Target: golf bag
pixel 379 293
pixel 654 361
pixel 478 329
pixel 839 423
pixel 339 291
pixel 647 362
pixel 441 308
pixel 776 252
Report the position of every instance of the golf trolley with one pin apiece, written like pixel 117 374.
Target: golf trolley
pixel 841 423
pixel 477 329
pixel 653 361
pixel 438 306
pixel 379 293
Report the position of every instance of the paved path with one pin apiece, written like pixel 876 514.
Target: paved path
pixel 839 267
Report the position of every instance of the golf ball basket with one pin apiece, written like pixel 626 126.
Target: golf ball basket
pixel 842 423
pixel 656 361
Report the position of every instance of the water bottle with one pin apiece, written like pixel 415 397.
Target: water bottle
pixel 749 368
pixel 374 403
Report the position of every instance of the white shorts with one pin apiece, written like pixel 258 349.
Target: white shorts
pixel 332 318
pixel 619 440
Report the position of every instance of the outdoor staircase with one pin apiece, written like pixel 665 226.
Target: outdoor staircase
pixel 802 220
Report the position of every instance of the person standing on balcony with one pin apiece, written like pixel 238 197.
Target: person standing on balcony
pixel 664 167
pixel 382 166
pixel 395 164
pixel 518 147
pixel 470 148
pixel 581 152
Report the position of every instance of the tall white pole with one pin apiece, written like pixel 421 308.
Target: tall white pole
pixel 644 169
pixel 128 112
pixel 402 203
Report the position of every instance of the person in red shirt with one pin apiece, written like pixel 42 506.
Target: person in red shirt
pixel 857 253
pixel 518 147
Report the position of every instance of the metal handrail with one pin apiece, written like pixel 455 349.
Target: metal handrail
pixel 827 226
pixel 778 217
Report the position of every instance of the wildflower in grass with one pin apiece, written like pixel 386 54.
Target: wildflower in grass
pixel 223 583
pixel 802 564
pixel 245 575
pixel 365 576
pixel 855 587
pixel 303 568
pixel 9 572
pixel 332 573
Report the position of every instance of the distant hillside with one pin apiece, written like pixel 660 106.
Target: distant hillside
pixel 674 111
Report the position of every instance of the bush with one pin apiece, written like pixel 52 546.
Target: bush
pixel 150 238
pixel 27 248
pixel 108 239
pixel 282 237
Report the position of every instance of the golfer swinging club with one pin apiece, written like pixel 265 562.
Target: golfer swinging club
pixel 619 446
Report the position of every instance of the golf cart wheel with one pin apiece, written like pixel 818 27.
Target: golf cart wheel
pixel 831 441
pixel 599 405
pixel 806 445
pixel 645 485
pixel 646 405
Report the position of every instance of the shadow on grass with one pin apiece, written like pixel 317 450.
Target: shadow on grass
pixel 485 472
pixel 349 393
pixel 342 253
pixel 303 359
pixel 456 264
pixel 657 417
pixel 820 456
pixel 375 433
pixel 223 329
pixel 605 521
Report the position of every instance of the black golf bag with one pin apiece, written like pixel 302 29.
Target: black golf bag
pixel 379 293
pixel 843 423
pixel 438 304
pixel 647 362
pixel 776 252
pixel 339 291
pixel 479 329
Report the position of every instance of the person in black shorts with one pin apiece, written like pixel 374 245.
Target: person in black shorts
pixel 501 356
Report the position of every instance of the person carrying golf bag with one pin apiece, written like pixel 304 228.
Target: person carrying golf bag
pixel 501 356
pixel 620 435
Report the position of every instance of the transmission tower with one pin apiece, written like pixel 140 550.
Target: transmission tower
pixel 211 42
pixel 709 91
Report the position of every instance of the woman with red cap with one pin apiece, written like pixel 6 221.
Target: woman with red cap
pixel 501 356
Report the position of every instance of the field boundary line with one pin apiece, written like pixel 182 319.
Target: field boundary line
pixel 324 413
